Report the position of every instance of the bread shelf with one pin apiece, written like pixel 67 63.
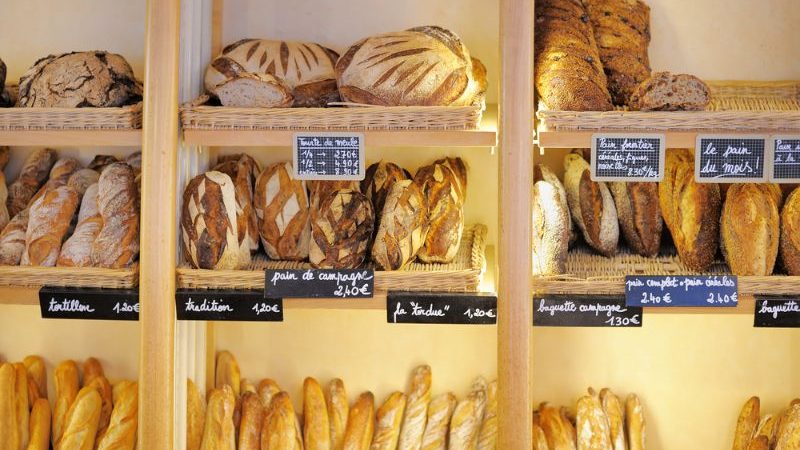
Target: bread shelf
pixel 77 138
pixel 35 277
pixel 485 136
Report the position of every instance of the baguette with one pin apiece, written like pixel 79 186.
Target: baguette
pixel 92 368
pixel 267 389
pixel 538 437
pixel 592 425
pixel 252 421
pixel 440 411
pixel 639 215
pixel 122 428
pixel 21 403
pixel 387 422
pixel 67 385
pixel 247 386
pixel 416 413
pixel 195 416
pixel 616 419
pixel 40 425
pixel 77 249
pixel 219 430
pixel 635 426
pixel 467 417
pixel 360 423
pixel 557 433
pixel 281 430
pixel 487 439
pixel 338 410
pixel 33 174
pixel 316 427
pixel 789 437
pixel 228 372
pixel 117 244
pixel 591 205
pixel 12 239
pixel 50 217
pixel 750 229
pixel 8 408
pixel 103 387
pixel 80 426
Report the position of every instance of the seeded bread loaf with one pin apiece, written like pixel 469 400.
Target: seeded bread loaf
pixel 591 206
pixel 78 79
pixel 569 74
pixel 341 228
pixel 669 92
pixel 403 226
pixel 639 215
pixel 750 229
pixel 282 209
pixel 305 68
pixel 208 222
pixel 117 244
pixel 31 177
pixel 445 213
pixel 422 66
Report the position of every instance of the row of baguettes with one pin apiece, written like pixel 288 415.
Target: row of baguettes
pixel 779 431
pixel 240 415
pixel 87 413
pixel 750 223
pixel 391 215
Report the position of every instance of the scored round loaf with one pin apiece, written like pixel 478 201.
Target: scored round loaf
pixel 403 226
pixel 750 229
pixel 591 206
pixel 422 66
pixel 442 190
pixel 307 69
pixel 117 244
pixel 281 205
pixel 33 174
pixel 639 215
pixel 790 233
pixel 378 181
pixel 78 79
pixel 208 222
pixel 341 228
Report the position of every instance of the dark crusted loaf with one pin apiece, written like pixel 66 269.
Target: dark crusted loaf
pixel 669 92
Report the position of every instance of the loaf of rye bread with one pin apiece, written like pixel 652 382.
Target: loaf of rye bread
pixel 117 244
pixel 670 92
pixel 254 90
pixel 208 222
pixel 591 206
pixel 568 72
pixel 750 229
pixel 691 210
pixel 639 215
pixel 622 32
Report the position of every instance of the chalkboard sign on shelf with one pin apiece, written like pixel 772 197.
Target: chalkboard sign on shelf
pixel 730 159
pixel 627 157
pixel 685 290
pixel 585 311
pixel 776 312
pixel 435 308
pixel 319 283
pixel 88 303
pixel 785 159
pixel 227 305
pixel 328 156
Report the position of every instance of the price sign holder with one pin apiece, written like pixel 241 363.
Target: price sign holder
pixel 627 157
pixel 319 283
pixel 785 159
pixel 682 291
pixel 322 155
pixel 776 312
pixel 227 305
pixel 731 159
pixel 441 308
pixel 585 311
pixel 89 303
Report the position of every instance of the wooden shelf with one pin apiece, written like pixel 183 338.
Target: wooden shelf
pixel 62 138
pixel 486 136
pixel 19 295
pixel 674 139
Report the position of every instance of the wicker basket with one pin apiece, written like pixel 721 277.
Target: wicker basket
pixel 461 275
pixel 735 106
pixel 200 115
pixel 69 276
pixel 121 118
pixel 590 273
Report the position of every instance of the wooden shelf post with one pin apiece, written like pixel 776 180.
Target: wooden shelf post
pixel 516 173
pixel 158 222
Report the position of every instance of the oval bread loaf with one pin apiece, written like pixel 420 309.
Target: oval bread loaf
pixel 639 215
pixel 208 222
pixel 117 244
pixel 550 225
pixel 445 213
pixel 282 209
pixel 341 228
pixel 403 226
pixel 591 206
pixel 750 229
pixel 378 181
pixel 790 233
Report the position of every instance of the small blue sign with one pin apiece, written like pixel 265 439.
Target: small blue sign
pixel 681 291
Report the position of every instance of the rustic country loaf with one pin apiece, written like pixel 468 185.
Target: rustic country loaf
pixel 307 69
pixel 81 179
pixel 750 229
pixel 445 201
pixel 243 173
pixel 12 239
pixel 403 226
pixel 59 176
pixel 319 190
pixel 425 66
pixel 569 75
pixel 550 227
pixel 100 162
pixel 50 217
pixel 208 222
pixel 254 90
pixel 670 92
pixel 378 181
pixel 341 228
pixel 639 215
pixel 77 249
pixel 622 32
pixel 282 209
pixel 591 206
pixel 789 241
pixel 117 244
pixel 32 175
pixel 79 79
pixel 690 210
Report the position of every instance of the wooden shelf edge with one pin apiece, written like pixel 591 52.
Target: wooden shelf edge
pixel 19 295
pixel 406 138
pixel 60 138
pixel 674 139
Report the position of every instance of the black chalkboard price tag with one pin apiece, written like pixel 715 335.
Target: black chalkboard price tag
pixel 328 156
pixel 585 311
pixel 227 305
pixel 776 312
pixel 319 283
pixel 89 303
pixel 627 157
pixel 682 291
pixel 730 159
pixel 785 159
pixel 435 308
